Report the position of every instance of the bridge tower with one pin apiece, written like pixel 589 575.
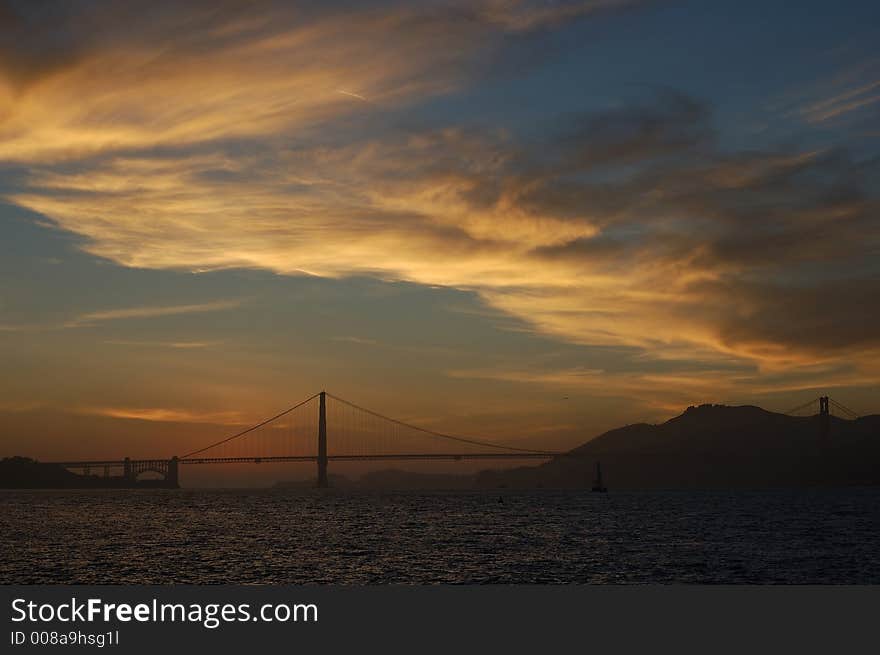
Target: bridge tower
pixel 127 471
pixel 322 441
pixel 824 420
pixel 172 477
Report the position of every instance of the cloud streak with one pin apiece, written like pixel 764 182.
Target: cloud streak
pixel 177 345
pixel 164 415
pixel 199 72
pixel 152 312
pixel 844 103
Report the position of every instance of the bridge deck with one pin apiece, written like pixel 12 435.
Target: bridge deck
pixel 351 458
pixel 314 458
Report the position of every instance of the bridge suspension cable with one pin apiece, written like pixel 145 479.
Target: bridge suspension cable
pixel 843 409
pixel 252 428
pixel 800 408
pixel 352 435
pixel 434 433
pixel 816 402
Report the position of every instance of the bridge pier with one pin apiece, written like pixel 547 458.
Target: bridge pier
pixel 322 441
pixel 172 478
pixel 127 471
pixel 824 421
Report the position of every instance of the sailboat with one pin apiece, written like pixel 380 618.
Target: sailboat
pixel 597 483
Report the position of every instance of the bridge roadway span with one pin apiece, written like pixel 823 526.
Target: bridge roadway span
pixel 169 468
pixel 311 458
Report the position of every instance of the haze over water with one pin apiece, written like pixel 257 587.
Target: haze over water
pixel 345 537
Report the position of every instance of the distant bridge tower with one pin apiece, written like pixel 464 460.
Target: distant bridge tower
pixel 322 441
pixel 172 477
pixel 824 420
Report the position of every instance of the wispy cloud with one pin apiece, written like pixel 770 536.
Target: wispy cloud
pixel 846 102
pixel 164 414
pixel 92 318
pixel 358 340
pixel 522 15
pixel 22 327
pixel 352 94
pixel 234 72
pixel 128 313
pixel 180 345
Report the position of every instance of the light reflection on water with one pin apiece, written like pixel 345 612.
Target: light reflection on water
pixel 343 537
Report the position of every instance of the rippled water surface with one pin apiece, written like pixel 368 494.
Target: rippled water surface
pixel 268 536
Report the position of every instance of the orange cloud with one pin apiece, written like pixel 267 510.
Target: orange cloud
pixel 164 414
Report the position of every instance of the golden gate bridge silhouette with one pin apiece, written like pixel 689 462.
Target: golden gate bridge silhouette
pixel 300 434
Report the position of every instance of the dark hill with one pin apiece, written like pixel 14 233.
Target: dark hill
pixel 716 446
pixel 23 473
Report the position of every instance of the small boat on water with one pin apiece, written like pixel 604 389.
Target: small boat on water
pixel 598 485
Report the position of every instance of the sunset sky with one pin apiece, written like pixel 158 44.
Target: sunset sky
pixel 522 221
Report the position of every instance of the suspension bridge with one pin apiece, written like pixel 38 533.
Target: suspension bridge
pixel 356 434
pixel 300 434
